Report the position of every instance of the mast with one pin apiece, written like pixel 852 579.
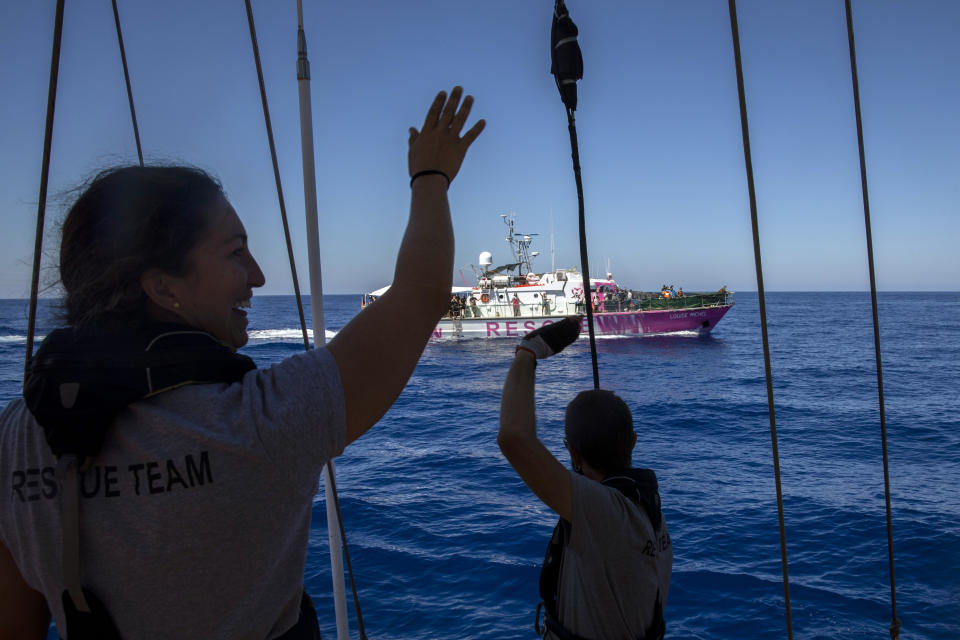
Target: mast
pixel 316 308
pixel 553 246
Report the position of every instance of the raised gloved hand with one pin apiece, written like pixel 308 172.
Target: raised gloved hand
pixel 551 339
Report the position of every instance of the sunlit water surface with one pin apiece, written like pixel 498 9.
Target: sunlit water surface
pixel 447 543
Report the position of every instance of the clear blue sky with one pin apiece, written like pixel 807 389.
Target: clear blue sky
pixel 658 122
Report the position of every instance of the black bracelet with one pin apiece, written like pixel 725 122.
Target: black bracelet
pixel 430 172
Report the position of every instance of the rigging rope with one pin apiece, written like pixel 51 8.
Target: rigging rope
pixel 585 263
pixel 126 78
pixel 567 68
pixel 763 307
pixel 276 173
pixel 44 177
pixel 296 287
pixel 894 621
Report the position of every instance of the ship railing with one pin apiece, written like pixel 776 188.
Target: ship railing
pixel 688 301
pixel 505 309
pixel 508 310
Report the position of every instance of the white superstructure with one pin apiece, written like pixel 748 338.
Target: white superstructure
pixel 512 300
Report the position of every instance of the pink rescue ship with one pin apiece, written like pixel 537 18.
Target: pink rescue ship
pixel 512 300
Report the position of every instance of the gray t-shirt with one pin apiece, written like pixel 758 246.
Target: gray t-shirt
pixel 613 566
pixel 196 515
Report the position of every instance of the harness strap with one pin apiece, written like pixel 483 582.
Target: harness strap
pixel 553 625
pixel 656 631
pixel 307 626
pixel 70 514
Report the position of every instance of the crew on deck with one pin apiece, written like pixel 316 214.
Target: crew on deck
pixel 456 306
pixel 199 470
pixel 608 565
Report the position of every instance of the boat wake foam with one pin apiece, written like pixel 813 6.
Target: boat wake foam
pixel 284 335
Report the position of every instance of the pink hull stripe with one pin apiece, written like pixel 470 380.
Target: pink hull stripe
pixel 666 321
pixel 702 320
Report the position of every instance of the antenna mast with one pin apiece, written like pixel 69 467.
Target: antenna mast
pixel 553 246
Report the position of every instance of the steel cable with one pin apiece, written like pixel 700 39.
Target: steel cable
pixel 44 178
pixel 894 621
pixel 763 308
pixel 276 174
pixel 126 78
pixel 293 270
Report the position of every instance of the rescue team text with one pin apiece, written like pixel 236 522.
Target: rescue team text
pixel 111 481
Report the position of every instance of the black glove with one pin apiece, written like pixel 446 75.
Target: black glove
pixel 551 339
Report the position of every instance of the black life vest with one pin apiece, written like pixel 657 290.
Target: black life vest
pixel 77 383
pixel 640 487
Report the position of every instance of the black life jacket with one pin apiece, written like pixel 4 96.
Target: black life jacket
pixel 77 383
pixel 640 487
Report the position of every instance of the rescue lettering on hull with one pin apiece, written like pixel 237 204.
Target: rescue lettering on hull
pixel 612 323
pixel 510 328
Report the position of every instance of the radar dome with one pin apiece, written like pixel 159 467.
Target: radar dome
pixel 486 259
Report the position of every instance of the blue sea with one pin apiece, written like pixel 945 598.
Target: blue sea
pixel 446 542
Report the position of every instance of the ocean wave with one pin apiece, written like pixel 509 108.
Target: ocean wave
pixel 284 335
pixel 19 339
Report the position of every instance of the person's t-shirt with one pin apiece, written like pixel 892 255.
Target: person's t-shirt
pixel 613 566
pixel 195 517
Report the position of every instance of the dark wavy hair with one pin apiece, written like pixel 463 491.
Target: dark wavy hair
pixel 599 425
pixel 128 220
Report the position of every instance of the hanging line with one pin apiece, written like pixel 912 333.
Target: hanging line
pixel 334 515
pixel 894 621
pixel 44 177
pixel 567 68
pixel 276 173
pixel 286 231
pixel 126 78
pixel 763 308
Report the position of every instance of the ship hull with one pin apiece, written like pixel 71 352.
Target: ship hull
pixel 624 323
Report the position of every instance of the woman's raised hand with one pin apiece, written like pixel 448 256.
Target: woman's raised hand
pixel 438 145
